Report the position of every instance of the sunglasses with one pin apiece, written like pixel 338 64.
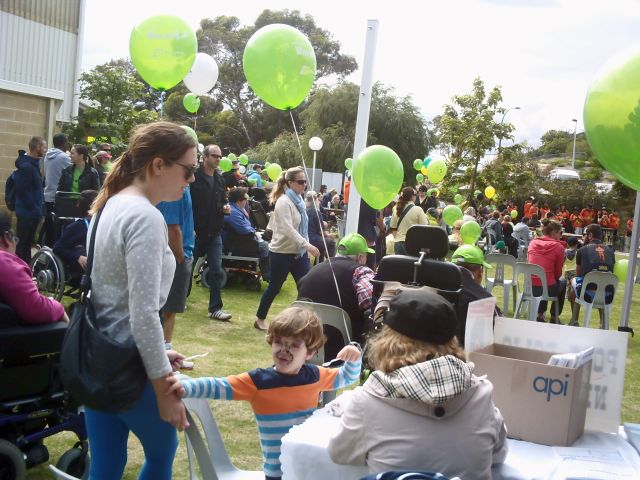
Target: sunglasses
pixel 300 182
pixel 189 170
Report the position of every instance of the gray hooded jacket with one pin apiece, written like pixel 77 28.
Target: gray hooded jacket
pixel 54 163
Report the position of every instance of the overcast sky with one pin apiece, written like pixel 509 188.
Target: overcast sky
pixel 543 53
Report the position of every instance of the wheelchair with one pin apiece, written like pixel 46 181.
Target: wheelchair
pixel 52 277
pixel 33 404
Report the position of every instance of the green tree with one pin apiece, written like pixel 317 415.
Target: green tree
pixel 514 174
pixel 116 100
pixel 467 129
pixel 224 39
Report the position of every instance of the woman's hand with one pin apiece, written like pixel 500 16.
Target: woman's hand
pixel 170 407
pixel 175 359
pixel 313 251
pixel 176 387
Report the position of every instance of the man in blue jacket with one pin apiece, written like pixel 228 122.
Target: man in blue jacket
pixel 29 196
pixel 238 222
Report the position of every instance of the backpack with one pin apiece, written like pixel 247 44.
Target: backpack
pixel 10 192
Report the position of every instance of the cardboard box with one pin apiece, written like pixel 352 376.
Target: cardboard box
pixel 540 403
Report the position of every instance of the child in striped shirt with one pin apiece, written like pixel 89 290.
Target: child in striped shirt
pixel 287 393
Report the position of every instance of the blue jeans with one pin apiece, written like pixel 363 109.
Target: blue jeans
pixel 109 432
pixel 281 265
pixel 214 260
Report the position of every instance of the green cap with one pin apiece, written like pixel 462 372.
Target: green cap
pixel 354 244
pixel 469 254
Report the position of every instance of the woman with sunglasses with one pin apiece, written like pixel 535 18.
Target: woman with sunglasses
pixel 132 272
pixel 289 248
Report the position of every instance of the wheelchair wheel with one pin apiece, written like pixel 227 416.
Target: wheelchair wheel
pixel 48 273
pixel 75 462
pixel 253 283
pixel 12 466
pixel 204 272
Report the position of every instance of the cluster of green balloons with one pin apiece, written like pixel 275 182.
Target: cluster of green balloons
pixel 611 119
pixel 451 214
pixel 470 232
pixel 163 48
pixel 378 173
pixel 280 65
pixel 191 102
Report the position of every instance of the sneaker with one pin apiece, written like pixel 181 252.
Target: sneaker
pixel 168 346
pixel 220 315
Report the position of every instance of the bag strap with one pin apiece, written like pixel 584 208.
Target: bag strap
pixel 85 281
pixel 404 212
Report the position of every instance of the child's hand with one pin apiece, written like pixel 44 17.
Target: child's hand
pixel 350 353
pixel 175 387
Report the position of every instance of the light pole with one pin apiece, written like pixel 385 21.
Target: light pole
pixel 573 155
pixel 501 122
pixel 315 144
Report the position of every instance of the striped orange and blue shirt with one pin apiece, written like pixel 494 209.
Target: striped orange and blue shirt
pixel 279 401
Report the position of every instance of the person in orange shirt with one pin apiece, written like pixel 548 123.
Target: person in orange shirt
pixel 527 206
pixel 614 224
pixel 563 212
pixel 588 215
pixel 534 211
pixel 576 220
pixel 544 210
pixel 345 192
pixel 603 220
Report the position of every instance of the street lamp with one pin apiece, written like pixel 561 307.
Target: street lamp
pixel 573 155
pixel 501 122
pixel 315 144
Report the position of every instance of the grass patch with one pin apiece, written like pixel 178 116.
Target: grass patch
pixel 236 346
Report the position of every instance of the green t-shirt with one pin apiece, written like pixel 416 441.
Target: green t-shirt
pixel 76 176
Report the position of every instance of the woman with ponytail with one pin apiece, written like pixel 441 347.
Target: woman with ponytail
pixel 131 276
pixel 405 214
pixel 289 248
pixel 80 175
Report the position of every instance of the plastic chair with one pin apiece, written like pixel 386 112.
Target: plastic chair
pixel 334 317
pixel 499 260
pixel 60 475
pixel 601 280
pixel 530 270
pixel 212 457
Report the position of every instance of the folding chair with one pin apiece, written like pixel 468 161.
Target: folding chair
pixel 529 270
pixel 601 280
pixel 331 316
pixel 212 457
pixel 499 260
pixel 60 475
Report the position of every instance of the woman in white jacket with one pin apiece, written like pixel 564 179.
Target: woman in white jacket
pixel 422 408
pixel 289 246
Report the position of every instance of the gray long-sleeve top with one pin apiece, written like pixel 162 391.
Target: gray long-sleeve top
pixel 132 272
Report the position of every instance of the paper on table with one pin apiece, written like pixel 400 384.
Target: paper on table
pixel 591 464
pixel 479 327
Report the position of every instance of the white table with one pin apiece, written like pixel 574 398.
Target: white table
pixel 304 454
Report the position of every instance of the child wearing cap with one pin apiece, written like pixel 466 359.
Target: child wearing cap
pixel 285 394
pixel 422 408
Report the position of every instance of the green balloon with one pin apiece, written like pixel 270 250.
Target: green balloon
pixel 225 164
pixel 274 170
pixel 470 232
pixel 266 164
pixel 426 161
pixel 514 213
pixel 436 170
pixel 280 65
pixel 191 102
pixel 419 178
pixel 377 174
pixel 163 49
pixel 348 163
pixel 232 157
pixel 458 198
pixel 243 159
pixel 417 164
pixel 620 269
pixel 191 133
pixel 451 214
pixel 611 119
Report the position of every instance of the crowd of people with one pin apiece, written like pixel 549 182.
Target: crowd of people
pixel 160 207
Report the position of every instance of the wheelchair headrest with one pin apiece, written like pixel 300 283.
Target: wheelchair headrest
pixel 7 316
pixel 428 238
pixel 432 273
pixel 67 205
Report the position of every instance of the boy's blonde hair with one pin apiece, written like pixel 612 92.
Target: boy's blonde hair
pixel 299 323
pixel 390 350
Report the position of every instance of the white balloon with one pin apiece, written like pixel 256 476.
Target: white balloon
pixel 200 148
pixel 315 143
pixel 243 170
pixel 203 75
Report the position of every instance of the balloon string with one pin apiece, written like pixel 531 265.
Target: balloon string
pixel 195 121
pixel 324 241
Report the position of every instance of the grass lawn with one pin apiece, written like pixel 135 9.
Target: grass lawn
pixel 236 346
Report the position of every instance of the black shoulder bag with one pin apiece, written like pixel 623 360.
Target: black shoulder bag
pixel 97 371
pixel 404 212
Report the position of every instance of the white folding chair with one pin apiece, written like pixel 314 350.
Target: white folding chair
pixel 332 316
pixel 212 457
pixel 60 475
pixel 499 260
pixel 601 280
pixel 529 270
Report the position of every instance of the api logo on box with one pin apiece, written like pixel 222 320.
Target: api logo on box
pixel 551 386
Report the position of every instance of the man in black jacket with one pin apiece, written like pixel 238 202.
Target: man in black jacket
pixel 209 198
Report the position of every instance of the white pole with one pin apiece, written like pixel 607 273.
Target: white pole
pixel 573 155
pixel 362 122
pixel 629 283
pixel 313 175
